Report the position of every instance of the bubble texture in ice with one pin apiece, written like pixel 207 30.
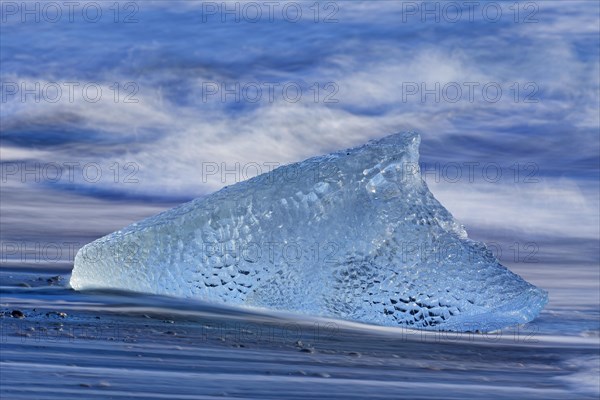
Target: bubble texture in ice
pixel 354 234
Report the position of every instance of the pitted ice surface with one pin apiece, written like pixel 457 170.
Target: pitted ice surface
pixel 355 235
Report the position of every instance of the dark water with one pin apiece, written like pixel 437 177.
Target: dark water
pixel 163 108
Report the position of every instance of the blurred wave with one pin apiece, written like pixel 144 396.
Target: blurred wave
pixel 520 171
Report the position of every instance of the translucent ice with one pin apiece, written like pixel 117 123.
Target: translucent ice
pixel 354 234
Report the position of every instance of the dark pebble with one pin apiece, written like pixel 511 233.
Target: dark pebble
pixel 17 314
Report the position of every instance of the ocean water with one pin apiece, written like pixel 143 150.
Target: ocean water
pixel 114 111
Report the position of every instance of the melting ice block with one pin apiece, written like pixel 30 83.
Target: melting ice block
pixel 354 234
